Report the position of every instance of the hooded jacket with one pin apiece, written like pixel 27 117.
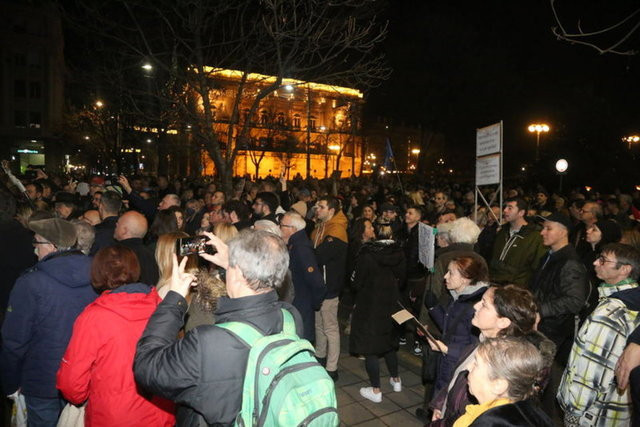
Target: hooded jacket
pixel 99 359
pixel 379 272
pixel 43 305
pixel 515 256
pixel 331 244
pixel 453 316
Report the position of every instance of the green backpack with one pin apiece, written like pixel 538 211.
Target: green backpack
pixel 284 385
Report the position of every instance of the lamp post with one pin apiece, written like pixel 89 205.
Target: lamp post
pixel 561 167
pixel 538 128
pixel 631 139
pixel 416 152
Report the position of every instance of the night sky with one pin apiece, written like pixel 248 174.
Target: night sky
pixel 463 65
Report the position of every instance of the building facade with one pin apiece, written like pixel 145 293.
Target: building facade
pixel 31 84
pixel 300 128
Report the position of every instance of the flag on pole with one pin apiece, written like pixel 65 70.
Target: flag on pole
pixel 388 156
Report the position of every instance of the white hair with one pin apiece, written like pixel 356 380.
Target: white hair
pixel 296 220
pixel 262 257
pixel 464 230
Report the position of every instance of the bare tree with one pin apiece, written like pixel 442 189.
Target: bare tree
pixel 606 39
pixel 190 42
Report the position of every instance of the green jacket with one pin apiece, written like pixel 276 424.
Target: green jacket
pixel 515 258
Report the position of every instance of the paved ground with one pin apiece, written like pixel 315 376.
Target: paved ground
pixel 396 409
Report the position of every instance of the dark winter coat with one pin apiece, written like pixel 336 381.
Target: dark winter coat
pixel 149 273
pixel 410 244
pixel 97 363
pixel 104 234
pixel 16 255
pixel 560 284
pixel 204 371
pixel 453 317
pixel 307 281
pixel 331 244
pixel 525 413
pixel 380 269
pixel 43 305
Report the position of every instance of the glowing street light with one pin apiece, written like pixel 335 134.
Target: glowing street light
pixel 538 128
pixel 561 167
pixel 147 67
pixel 99 104
pixel 334 147
pixel 631 139
pixel 288 88
pixel 415 151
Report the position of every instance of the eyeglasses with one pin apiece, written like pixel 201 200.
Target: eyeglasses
pixel 602 260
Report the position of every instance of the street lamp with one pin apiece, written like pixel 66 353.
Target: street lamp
pixel 147 67
pixel 631 139
pixel 538 128
pixel 561 167
pixel 99 104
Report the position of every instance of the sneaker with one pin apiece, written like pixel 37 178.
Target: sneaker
pixel 403 341
pixel 417 349
pixel 368 393
pixel 397 385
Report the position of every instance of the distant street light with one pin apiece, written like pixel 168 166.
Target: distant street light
pixel 631 139
pixel 99 104
pixel 147 67
pixel 561 167
pixel 334 147
pixel 538 128
pixel 415 151
pixel 288 88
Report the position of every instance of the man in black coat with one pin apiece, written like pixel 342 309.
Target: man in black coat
pixel 130 230
pixel 204 371
pixel 560 284
pixel 109 208
pixel 306 276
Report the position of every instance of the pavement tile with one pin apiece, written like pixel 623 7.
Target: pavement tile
pixel 401 418
pixel 343 398
pixel 383 408
pixel 354 413
pixel 372 423
pixel 354 390
pixel 347 377
pixel 406 398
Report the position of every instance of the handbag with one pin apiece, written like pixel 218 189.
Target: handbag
pixel 72 416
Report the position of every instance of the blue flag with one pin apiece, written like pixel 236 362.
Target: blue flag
pixel 388 156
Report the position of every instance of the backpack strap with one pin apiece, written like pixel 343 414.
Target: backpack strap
pixel 245 332
pixel 250 334
pixel 288 324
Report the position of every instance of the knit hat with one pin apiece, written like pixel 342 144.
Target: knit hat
pixel 59 232
pixel 300 207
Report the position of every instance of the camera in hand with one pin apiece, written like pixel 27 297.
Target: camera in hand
pixel 193 246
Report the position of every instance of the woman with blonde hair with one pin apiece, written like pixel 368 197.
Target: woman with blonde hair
pixel 165 249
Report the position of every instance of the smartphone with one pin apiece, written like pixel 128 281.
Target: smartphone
pixel 193 246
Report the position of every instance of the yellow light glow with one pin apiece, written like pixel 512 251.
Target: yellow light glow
pixel 99 104
pixel 538 127
pixel 334 147
pixel 415 151
pixel 261 78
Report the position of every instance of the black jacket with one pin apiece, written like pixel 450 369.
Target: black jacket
pixel 307 281
pixel 560 284
pixel 149 274
pixel 415 269
pixel 16 255
pixel 104 234
pixel 204 371
pixel 519 414
pixel 377 277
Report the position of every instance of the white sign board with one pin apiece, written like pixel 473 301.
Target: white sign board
pixel 488 170
pixel 488 140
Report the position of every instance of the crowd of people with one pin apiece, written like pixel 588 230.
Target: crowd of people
pixel 531 307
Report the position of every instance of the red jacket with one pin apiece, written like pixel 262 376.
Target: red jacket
pixel 98 363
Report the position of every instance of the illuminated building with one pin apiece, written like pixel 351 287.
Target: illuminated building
pixel 298 116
